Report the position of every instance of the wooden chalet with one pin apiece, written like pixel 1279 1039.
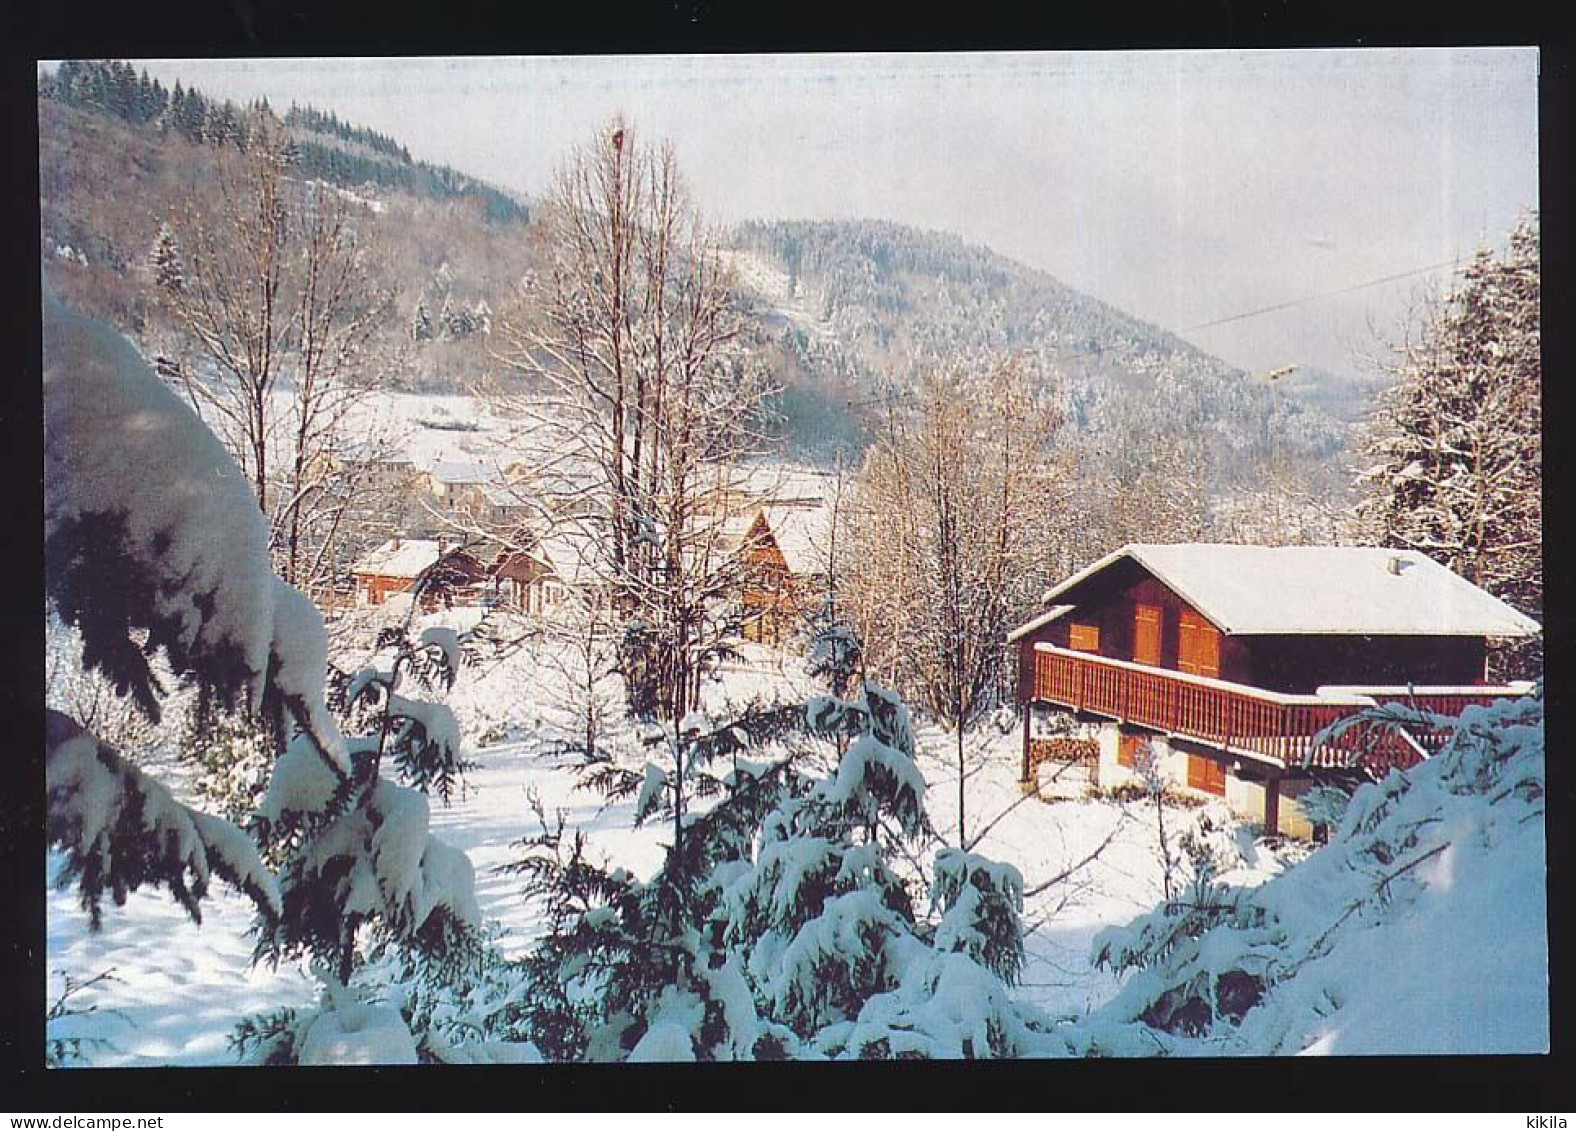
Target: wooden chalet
pixel 395 565
pixel 527 581
pixel 1232 659
pixel 783 549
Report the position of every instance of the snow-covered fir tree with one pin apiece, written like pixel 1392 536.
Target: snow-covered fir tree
pixel 155 547
pixel 165 259
pixel 1458 439
pixel 1308 958
pixel 230 757
pixel 421 323
pixel 786 920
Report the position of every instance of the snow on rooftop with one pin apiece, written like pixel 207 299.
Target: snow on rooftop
pixel 399 557
pixel 781 482
pixel 457 472
pixel 1040 621
pixel 502 495
pixel 1325 590
pixel 360 451
pixel 568 555
pixel 804 535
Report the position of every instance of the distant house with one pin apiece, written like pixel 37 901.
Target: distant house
pixel 1232 659
pixel 376 467
pixel 498 506
pixel 395 566
pixel 452 483
pixel 528 582
pixel 479 493
pixel 784 548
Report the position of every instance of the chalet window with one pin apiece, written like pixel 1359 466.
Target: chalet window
pixel 1206 774
pixel 1127 748
pixel 1083 637
pixel 1198 645
pixel 1146 634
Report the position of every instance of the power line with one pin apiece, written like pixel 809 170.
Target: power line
pixel 1452 263
pixel 1317 297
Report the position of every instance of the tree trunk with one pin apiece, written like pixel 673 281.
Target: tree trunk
pixel 963 842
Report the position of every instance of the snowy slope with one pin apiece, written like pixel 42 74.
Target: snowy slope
pixel 1464 927
pixel 1419 929
pixel 182 1000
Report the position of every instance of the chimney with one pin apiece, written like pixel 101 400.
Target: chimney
pixel 396 541
pixel 1393 564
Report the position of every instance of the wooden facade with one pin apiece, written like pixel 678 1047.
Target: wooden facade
pixel 457 580
pixel 1130 615
pixel 1123 648
pixel 526 583
pixel 773 606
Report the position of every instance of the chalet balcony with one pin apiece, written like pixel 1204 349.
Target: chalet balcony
pixel 1235 718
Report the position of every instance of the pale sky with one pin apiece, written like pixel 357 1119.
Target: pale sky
pixel 1183 187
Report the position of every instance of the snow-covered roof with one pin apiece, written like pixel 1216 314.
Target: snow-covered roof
pixel 399 557
pixel 502 495
pixel 1319 590
pixel 1040 621
pixel 781 483
pixel 453 472
pixel 568 556
pixel 803 534
pixel 362 452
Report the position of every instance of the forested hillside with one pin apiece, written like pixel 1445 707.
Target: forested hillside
pixel 847 311
pixel 860 304
pixel 329 148
pixel 447 248
pixel 846 314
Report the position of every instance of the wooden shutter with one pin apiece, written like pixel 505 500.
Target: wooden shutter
pixel 1083 637
pixel 1206 774
pixel 1198 645
pixel 1127 748
pixel 1146 634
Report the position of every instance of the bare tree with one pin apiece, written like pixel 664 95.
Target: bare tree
pixel 649 404
pixel 956 503
pixel 1149 482
pixel 269 281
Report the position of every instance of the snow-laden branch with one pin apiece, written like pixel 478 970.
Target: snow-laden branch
pixel 121 830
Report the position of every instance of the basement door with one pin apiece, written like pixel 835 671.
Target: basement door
pixel 1206 774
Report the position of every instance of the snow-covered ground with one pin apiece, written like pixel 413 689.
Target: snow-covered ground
pixel 182 987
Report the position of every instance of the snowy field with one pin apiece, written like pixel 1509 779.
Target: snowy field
pixel 182 987
pixel 1469 930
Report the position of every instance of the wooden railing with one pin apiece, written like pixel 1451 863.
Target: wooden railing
pixel 1267 725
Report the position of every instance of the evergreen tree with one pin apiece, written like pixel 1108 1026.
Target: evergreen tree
pixel 122 92
pixel 784 924
pixel 356 850
pixel 155 547
pixel 145 107
pixel 168 274
pixel 194 118
pixel 66 79
pixel 421 324
pixel 230 757
pixel 1458 438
